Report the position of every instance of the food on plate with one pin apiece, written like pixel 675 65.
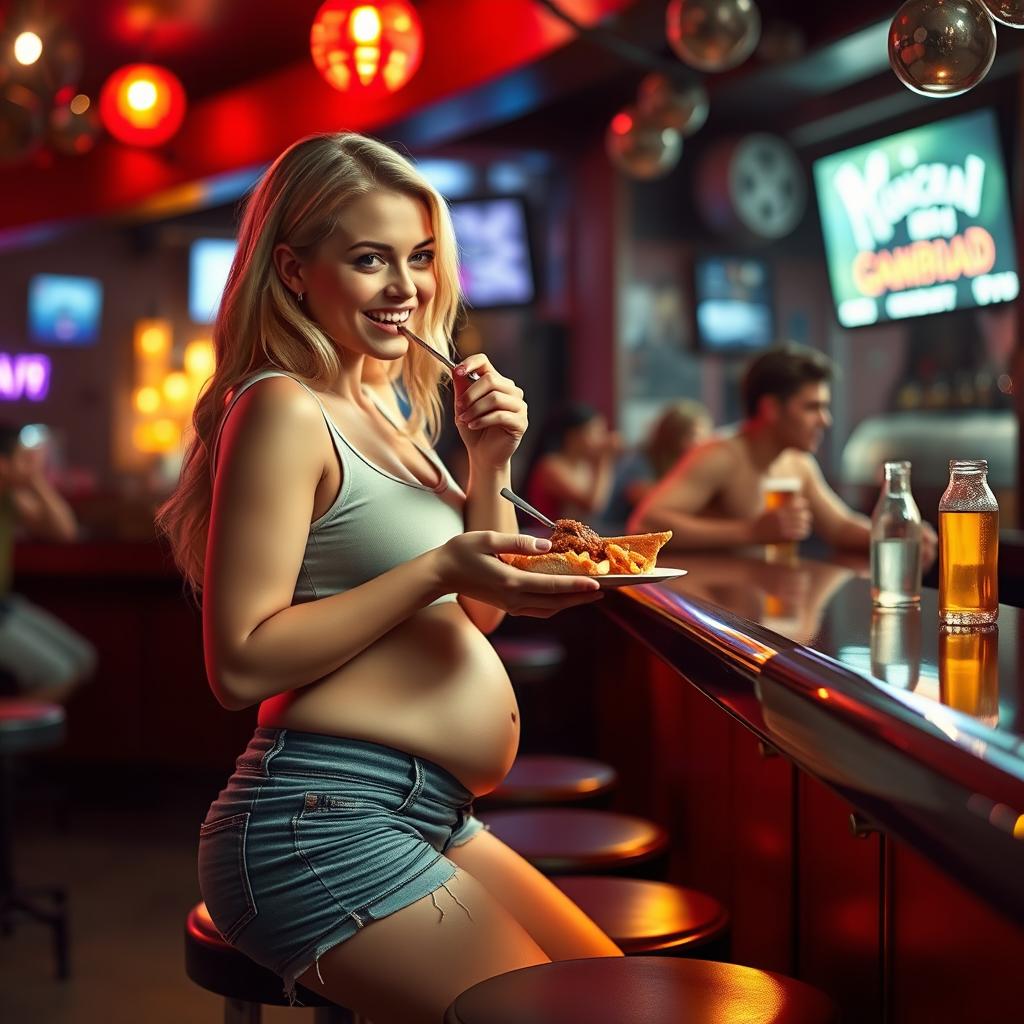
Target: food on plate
pixel 577 550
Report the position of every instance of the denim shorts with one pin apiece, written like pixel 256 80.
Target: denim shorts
pixel 314 837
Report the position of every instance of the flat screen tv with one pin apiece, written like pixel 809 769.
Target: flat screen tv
pixel 209 260
pixel 733 304
pixel 918 223
pixel 64 310
pixel 495 268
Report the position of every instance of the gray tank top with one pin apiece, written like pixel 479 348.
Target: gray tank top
pixel 376 522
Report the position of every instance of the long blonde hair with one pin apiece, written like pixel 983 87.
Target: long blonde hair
pixel 299 201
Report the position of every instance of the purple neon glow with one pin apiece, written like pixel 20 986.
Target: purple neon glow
pixel 24 376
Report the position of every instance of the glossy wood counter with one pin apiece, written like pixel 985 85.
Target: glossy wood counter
pixel 887 729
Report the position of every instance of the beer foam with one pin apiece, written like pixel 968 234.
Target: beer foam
pixel 785 484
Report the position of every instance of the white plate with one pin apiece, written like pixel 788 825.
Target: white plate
pixel 624 579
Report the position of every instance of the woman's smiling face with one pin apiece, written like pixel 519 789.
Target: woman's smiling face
pixel 375 270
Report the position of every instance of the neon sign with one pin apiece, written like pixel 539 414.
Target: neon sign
pixel 918 223
pixel 25 376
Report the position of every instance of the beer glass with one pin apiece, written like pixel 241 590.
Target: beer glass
pixel 969 670
pixel 780 491
pixel 968 547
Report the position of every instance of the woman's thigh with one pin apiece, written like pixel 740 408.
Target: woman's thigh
pixel 557 925
pixel 408 967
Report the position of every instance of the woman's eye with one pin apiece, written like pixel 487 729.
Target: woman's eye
pixel 367 261
pixel 424 258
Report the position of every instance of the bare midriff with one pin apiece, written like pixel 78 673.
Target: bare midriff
pixel 433 687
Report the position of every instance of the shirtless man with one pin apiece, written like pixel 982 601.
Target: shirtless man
pixel 713 498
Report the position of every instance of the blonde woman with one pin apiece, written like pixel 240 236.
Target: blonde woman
pixel 340 593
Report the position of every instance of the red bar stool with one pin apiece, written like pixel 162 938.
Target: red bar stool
pixel 641 990
pixel 28 725
pixel 643 917
pixel 580 842
pixel 542 779
pixel 246 986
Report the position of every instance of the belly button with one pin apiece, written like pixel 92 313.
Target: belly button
pixel 513 716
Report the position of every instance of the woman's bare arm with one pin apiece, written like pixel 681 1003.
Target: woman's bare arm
pixel 272 455
pixel 486 509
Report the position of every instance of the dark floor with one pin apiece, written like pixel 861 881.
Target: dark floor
pixel 126 854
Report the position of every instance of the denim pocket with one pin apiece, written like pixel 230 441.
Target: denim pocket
pixel 223 875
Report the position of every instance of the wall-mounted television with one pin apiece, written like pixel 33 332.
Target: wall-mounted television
pixel 918 222
pixel 733 305
pixel 495 266
pixel 64 310
pixel 209 260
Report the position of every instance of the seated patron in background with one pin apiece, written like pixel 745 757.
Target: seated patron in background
pixel 715 496
pixel 680 426
pixel 39 655
pixel 573 468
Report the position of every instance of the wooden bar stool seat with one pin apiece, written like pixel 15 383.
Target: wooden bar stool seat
pixel 641 990
pixel 576 841
pixel 246 986
pixel 651 917
pixel 538 779
pixel 28 725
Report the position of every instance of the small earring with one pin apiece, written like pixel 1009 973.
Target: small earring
pixel 300 296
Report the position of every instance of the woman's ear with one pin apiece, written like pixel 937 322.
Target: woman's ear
pixel 289 268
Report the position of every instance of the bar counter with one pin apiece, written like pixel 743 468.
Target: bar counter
pixel 923 734
pixel 840 721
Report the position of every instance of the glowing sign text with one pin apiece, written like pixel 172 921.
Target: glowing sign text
pixel 25 376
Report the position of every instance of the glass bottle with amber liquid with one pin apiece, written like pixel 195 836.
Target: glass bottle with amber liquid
pixel 968 547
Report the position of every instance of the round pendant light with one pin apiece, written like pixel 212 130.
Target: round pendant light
pixel 142 104
pixel 366 48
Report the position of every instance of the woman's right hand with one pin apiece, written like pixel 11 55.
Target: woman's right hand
pixel 468 565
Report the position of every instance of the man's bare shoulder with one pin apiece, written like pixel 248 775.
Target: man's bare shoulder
pixel 720 454
pixel 795 462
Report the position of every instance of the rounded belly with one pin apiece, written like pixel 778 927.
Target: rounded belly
pixel 433 687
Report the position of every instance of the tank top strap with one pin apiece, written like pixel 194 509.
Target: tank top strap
pixel 239 391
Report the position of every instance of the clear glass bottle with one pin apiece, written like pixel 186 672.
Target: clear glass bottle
pixel 968 547
pixel 896 541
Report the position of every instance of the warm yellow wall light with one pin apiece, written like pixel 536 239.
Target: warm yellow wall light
pixel 199 359
pixel 152 339
pixel 146 401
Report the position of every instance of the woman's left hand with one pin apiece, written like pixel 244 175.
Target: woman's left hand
pixel 490 413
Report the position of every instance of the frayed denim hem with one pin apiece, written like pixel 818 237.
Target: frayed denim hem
pixel 440 873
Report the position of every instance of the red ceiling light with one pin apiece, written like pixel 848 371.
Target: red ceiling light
pixel 369 48
pixel 142 104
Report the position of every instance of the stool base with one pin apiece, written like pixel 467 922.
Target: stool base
pixel 27 903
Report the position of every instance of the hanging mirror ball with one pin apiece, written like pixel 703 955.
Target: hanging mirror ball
pixel 1007 12
pixel 713 35
pixel 684 108
pixel 941 47
pixel 640 147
